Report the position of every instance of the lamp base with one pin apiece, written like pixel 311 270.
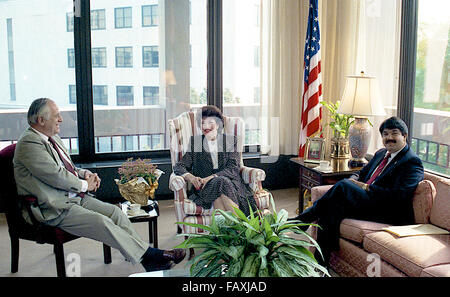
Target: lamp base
pixel 354 163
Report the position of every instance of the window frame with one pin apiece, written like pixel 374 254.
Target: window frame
pixel 117 58
pixel 151 52
pixel 152 15
pixel 123 17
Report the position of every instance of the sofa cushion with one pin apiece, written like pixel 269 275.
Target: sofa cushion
pixel 355 230
pixel 352 260
pixel 409 254
pixel 440 212
pixel 423 201
pixel 438 271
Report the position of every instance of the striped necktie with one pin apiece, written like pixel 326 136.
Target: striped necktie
pixel 67 165
pixel 379 169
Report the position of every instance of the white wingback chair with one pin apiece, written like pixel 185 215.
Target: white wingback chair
pixel 181 129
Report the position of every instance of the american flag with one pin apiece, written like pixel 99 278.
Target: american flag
pixel 312 91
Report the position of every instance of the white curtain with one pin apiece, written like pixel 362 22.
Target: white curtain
pixel 282 36
pixel 356 35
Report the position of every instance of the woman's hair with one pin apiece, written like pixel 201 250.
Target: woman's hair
pixel 211 111
pixel 394 123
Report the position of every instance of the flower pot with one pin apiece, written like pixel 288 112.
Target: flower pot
pixel 340 148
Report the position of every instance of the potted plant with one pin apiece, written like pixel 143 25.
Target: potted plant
pixel 257 245
pixel 138 180
pixel 340 124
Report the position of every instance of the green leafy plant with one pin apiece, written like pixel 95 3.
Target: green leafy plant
pixel 340 122
pixel 257 245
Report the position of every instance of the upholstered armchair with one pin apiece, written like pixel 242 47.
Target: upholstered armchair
pixel 181 129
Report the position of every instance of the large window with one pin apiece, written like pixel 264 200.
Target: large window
pixel 35 56
pixel 149 80
pixel 431 121
pixel 172 71
pixel 241 64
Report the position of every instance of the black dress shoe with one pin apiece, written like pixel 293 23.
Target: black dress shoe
pixel 152 266
pixel 176 255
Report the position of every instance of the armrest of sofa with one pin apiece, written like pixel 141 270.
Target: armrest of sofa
pixel 318 192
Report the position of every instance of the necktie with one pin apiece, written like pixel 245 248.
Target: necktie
pixel 67 165
pixel 379 169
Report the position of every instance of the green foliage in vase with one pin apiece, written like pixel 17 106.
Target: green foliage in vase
pixel 259 245
pixel 340 123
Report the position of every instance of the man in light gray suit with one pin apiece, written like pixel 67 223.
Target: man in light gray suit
pixel 43 168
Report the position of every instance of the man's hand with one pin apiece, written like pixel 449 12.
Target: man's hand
pixel 194 180
pixel 93 181
pixel 362 185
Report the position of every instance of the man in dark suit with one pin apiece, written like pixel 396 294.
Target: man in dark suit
pixel 381 191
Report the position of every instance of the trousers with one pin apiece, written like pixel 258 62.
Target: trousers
pixel 106 223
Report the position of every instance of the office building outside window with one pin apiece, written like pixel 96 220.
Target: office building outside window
pixel 72 94
pixel 100 95
pixel 150 56
pixel 151 95
pixel 124 95
pixel 98 21
pixel 71 58
pixel 124 56
pixel 98 57
pixel 123 17
pixel 150 15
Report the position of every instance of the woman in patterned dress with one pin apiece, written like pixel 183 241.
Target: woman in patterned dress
pixel 212 166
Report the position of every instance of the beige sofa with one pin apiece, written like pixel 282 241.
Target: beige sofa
pixel 367 250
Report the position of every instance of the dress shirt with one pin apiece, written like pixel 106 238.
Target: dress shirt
pixel 389 160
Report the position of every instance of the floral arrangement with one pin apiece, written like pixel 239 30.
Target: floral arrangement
pixel 138 180
pixel 139 168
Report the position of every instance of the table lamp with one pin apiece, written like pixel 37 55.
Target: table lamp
pixel 361 98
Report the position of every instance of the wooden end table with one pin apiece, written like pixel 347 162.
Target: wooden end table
pixel 310 177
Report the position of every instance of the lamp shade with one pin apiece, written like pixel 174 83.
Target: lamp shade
pixel 361 97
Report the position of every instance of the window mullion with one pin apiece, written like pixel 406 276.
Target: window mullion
pixel 215 81
pixel 83 76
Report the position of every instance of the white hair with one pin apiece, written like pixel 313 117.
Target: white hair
pixel 38 108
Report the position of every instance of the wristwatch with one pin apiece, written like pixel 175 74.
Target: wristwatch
pixel 365 187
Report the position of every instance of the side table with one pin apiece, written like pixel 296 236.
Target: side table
pixel 310 177
pixel 151 218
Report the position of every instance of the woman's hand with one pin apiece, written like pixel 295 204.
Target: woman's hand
pixel 207 179
pixel 194 180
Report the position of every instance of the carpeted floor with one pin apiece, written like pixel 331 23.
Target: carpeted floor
pixel 39 260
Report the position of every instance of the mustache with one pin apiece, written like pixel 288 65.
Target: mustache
pixel 389 141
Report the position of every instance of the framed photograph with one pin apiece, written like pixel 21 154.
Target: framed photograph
pixel 315 149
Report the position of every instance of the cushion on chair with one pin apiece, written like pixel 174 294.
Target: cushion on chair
pixel 423 201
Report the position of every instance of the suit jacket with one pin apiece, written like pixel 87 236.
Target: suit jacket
pixel 38 172
pixel 393 190
pixel 197 160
